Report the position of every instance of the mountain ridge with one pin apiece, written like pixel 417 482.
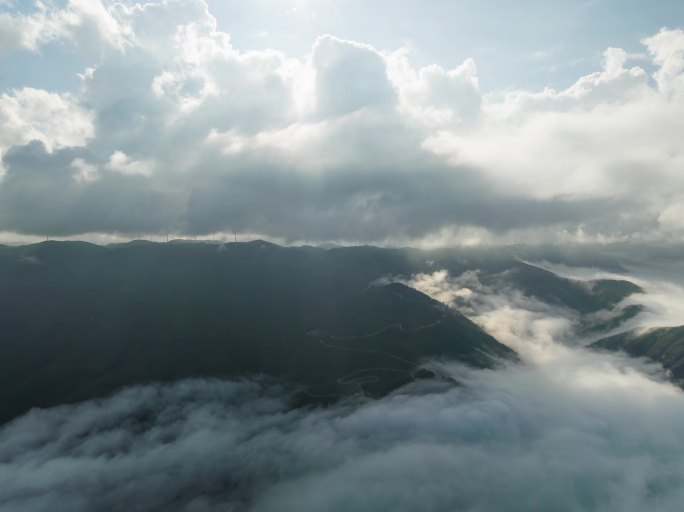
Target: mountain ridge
pixel 82 320
pixel 664 345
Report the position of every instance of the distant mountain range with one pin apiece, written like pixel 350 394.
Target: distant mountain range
pixel 79 320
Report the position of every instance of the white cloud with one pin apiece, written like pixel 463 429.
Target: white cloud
pixel 86 24
pixel 349 76
pixel 532 328
pixel 85 172
pixel 436 97
pixel 667 51
pixel 611 134
pixel 397 153
pixel 57 120
pixel 19 32
pixel 578 432
pixel 672 217
pixel 120 162
pixel 86 21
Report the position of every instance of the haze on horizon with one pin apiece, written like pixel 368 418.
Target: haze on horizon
pixel 452 122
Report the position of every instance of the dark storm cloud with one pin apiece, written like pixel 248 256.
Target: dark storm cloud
pixel 370 203
pixel 44 193
pixel 41 194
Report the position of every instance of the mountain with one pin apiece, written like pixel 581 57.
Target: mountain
pixel 80 320
pixel 496 268
pixel 664 345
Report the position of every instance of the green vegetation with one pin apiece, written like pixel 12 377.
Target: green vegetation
pixel 79 320
pixel 607 320
pixel 664 345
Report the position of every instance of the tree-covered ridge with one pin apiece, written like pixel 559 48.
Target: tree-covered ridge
pixel 80 320
pixel 664 345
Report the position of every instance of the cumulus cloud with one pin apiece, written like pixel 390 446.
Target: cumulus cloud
pixel 18 31
pixel 56 120
pixel 81 23
pixel 349 76
pixel 604 136
pixel 667 50
pixel 433 96
pixel 348 142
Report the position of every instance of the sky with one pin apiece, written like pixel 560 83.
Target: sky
pixel 403 123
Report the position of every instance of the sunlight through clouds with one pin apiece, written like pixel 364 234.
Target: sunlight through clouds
pixel 597 160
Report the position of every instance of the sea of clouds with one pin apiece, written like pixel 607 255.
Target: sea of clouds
pixel 567 430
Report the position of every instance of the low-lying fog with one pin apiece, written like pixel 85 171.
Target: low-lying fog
pixel 568 430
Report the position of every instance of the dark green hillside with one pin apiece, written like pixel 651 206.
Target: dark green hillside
pixel 496 268
pixel 664 345
pixel 573 255
pixel 79 320
pixel 580 296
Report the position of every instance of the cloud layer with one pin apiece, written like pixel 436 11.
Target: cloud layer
pixel 577 436
pixel 176 129
pixel 569 430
